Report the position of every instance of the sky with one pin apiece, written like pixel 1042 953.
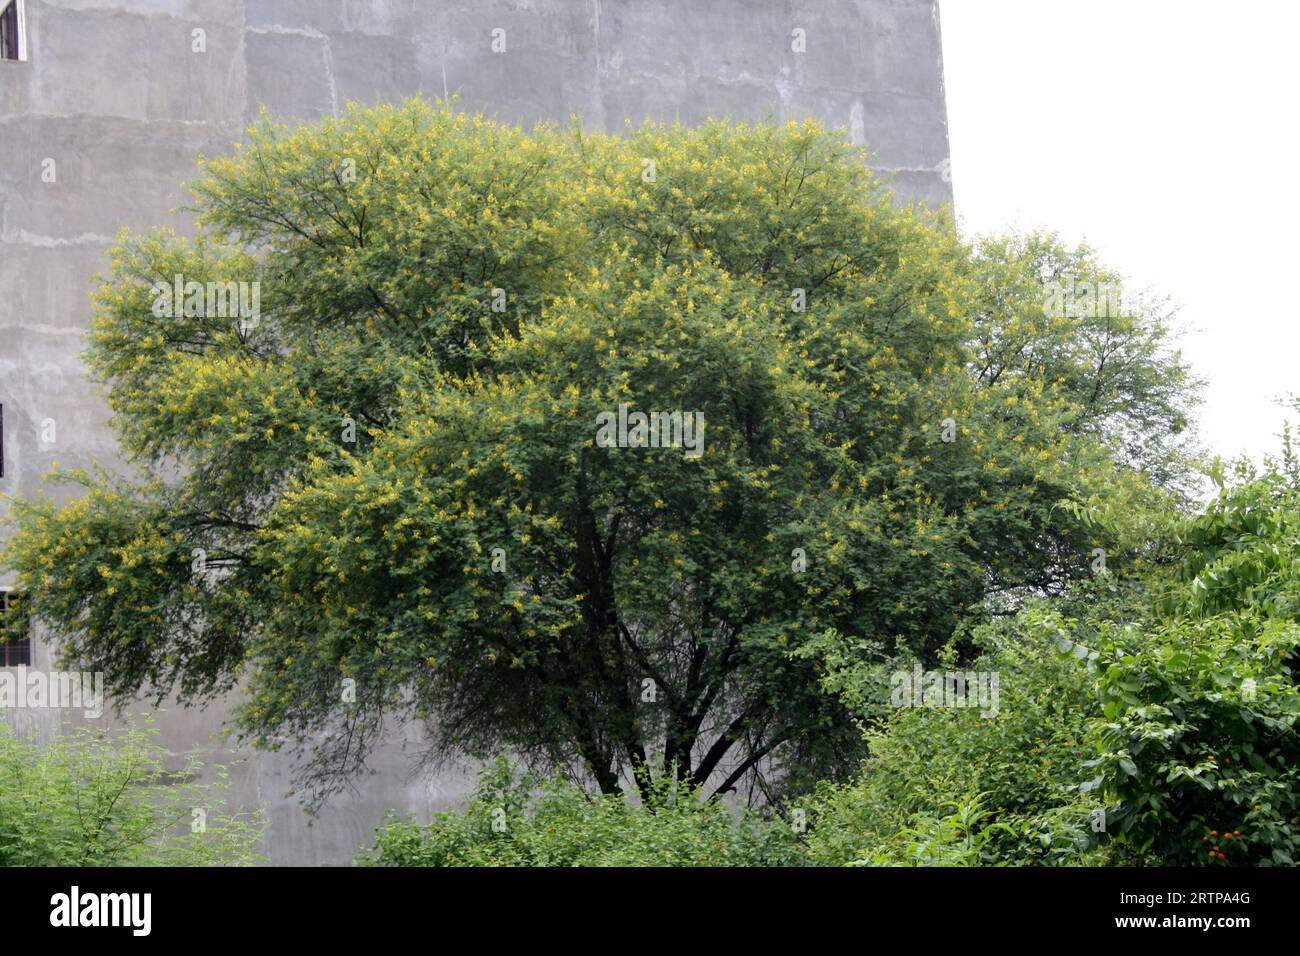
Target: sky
pixel 1162 132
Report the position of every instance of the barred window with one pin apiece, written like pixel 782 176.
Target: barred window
pixel 15 631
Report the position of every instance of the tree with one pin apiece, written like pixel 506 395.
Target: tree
pixel 389 492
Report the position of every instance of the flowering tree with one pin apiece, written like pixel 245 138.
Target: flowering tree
pixel 567 442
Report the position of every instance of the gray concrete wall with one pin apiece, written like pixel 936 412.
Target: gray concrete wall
pixel 115 96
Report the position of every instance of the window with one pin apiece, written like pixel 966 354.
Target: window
pixel 13 26
pixel 15 631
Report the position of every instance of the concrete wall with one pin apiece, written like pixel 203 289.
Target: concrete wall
pixel 115 96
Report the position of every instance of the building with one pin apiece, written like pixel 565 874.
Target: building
pixel 105 104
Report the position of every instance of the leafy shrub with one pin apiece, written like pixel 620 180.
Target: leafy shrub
pixel 955 787
pixel 1197 750
pixel 517 819
pixel 961 838
pixel 91 800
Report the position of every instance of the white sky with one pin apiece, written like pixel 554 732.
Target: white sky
pixel 1164 133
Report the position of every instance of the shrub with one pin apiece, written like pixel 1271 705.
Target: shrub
pixel 517 819
pixel 91 800
pixel 956 787
pixel 1197 751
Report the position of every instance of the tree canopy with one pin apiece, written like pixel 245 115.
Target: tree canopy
pixel 384 496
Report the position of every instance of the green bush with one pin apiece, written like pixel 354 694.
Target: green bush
pixel 956 787
pixel 517 819
pixel 88 799
pixel 1197 751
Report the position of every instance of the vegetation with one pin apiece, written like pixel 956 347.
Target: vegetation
pixel 516 819
pixel 959 787
pixel 388 494
pixel 89 799
pixel 1148 720
pixel 385 497
pixel 1197 748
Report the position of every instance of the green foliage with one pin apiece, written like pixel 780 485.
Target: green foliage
pixel 761 277
pixel 1197 750
pixel 959 787
pixel 90 799
pixel 1111 362
pixel 1165 696
pixel 516 819
pixel 962 837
